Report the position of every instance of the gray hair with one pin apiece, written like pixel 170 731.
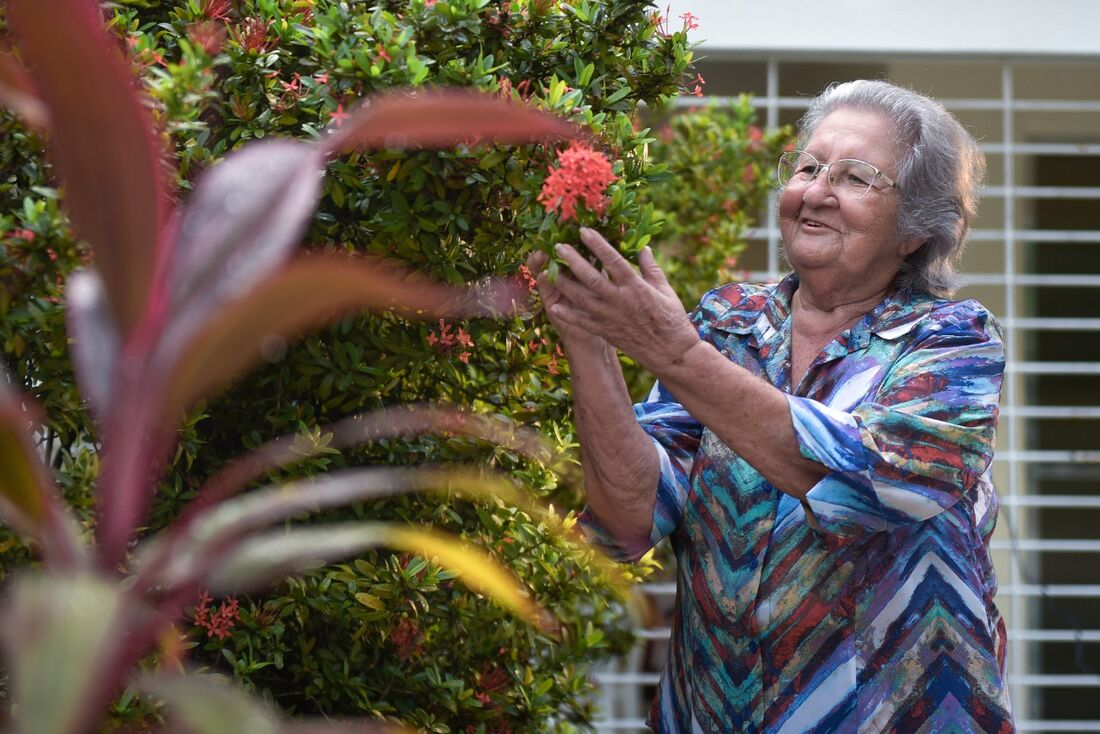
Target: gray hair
pixel 938 177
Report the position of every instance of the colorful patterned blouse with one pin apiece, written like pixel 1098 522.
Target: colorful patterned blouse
pixel 868 607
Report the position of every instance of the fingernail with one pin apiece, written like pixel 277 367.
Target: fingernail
pixel 559 247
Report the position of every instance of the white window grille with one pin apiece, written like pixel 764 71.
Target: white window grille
pixel 1034 260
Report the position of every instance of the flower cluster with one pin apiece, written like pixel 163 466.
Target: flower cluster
pixel 660 21
pixel 447 340
pixel 216 9
pixel 582 175
pixel 527 279
pixel 208 35
pixel 217 623
pixel 25 235
pixel 552 366
pixel 251 34
pixel 407 639
pixel 698 81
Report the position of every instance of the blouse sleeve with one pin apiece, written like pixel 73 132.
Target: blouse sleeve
pixel 676 436
pixel 925 440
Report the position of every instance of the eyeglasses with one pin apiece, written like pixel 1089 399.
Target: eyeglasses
pixel 848 178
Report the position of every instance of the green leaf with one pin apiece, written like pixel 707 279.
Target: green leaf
pixel 370 601
pixel 619 95
pixel 493 159
pixel 59 631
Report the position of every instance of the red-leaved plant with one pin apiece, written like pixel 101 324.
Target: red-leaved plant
pixel 182 299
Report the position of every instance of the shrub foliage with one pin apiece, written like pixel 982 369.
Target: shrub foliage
pixel 389 633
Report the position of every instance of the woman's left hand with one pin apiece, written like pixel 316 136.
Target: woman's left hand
pixel 635 310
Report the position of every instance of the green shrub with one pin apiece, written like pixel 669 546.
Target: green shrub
pixel 221 74
pixel 388 633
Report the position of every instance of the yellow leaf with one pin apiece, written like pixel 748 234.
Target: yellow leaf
pixel 477 570
pixel 370 601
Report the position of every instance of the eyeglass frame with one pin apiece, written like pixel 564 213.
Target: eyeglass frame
pixel 891 183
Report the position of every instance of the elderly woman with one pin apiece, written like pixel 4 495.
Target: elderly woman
pixel 818 450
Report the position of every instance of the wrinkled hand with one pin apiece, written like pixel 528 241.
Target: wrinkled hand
pixel 575 339
pixel 634 310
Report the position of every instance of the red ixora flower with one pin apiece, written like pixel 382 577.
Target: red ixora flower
pixel 219 622
pixel 447 341
pixel 527 278
pixel 407 639
pixel 582 175
pixel 251 34
pixel 207 35
pixel 216 9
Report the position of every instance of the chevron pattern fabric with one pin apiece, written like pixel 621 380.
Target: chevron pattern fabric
pixel 868 607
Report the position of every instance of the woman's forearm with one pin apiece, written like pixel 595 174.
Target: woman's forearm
pixel 620 463
pixel 747 413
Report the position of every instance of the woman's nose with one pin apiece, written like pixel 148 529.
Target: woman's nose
pixel 818 190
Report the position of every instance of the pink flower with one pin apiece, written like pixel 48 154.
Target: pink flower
pixel 582 175
pixel 690 21
pixel 699 81
pixel 338 116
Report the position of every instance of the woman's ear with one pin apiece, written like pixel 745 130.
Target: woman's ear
pixel 908 246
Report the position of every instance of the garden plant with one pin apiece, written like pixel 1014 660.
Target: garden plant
pixel 180 298
pixel 388 633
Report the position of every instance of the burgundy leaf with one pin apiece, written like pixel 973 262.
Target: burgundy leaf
pixel 312 291
pixel 95 337
pixel 442 118
pixel 102 143
pixel 243 220
pixel 29 501
pixel 18 94
pixel 391 422
pixel 184 553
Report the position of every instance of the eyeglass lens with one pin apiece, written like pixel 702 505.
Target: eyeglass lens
pixel 847 177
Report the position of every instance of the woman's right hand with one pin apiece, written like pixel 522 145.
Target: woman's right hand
pixel 575 337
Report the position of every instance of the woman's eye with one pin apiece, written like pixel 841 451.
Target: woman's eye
pixel 855 180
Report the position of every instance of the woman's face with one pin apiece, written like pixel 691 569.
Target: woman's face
pixel 854 240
